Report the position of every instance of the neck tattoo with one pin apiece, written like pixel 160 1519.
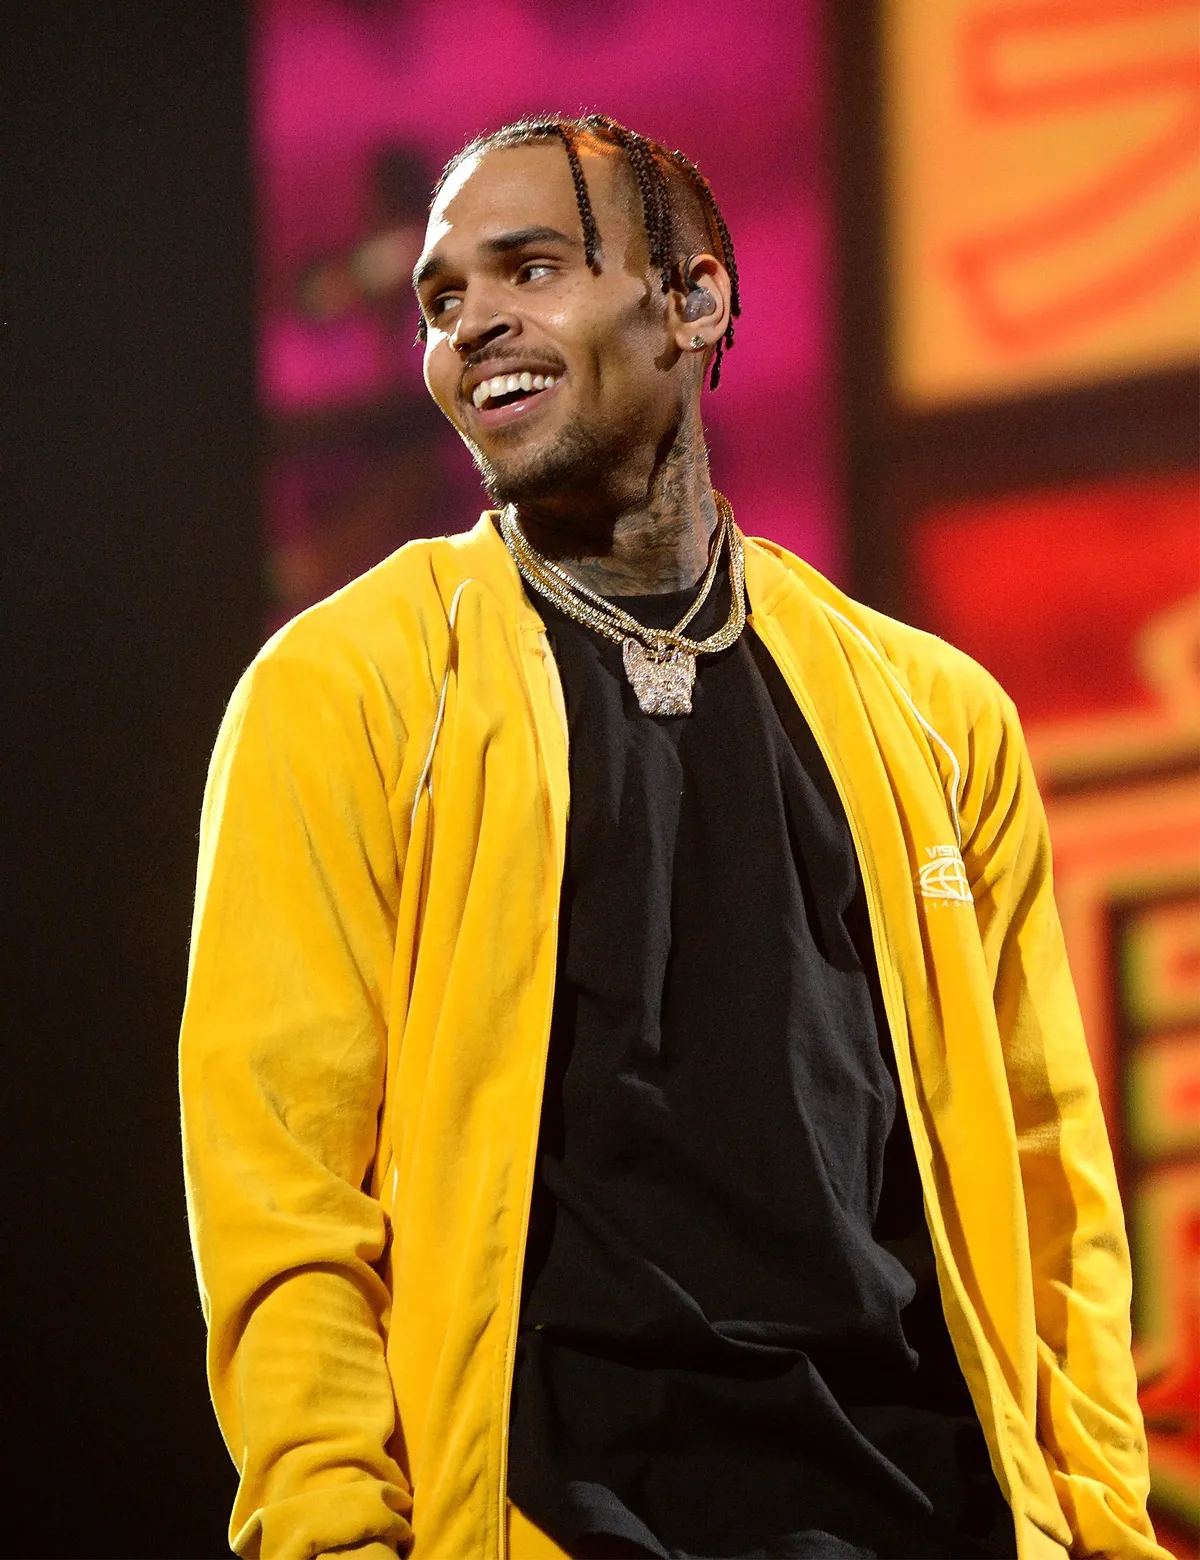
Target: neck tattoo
pixel 660 663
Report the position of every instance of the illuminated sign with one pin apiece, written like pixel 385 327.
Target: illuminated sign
pixel 1045 191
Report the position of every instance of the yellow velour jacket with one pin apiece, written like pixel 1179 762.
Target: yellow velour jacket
pixel 368 1013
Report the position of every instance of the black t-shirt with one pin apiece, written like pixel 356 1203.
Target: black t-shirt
pixel 730 1337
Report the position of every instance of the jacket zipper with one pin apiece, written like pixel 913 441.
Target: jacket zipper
pixel 766 631
pixel 510 1345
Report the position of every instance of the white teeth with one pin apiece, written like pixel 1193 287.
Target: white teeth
pixel 497 385
pixel 509 384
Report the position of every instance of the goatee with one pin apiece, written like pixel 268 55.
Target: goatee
pixel 579 460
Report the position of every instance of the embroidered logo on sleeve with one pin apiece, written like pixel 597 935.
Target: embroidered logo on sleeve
pixel 943 876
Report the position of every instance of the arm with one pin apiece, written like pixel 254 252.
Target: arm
pixel 282 1059
pixel 1089 1423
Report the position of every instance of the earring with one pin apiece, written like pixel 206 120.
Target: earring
pixel 696 343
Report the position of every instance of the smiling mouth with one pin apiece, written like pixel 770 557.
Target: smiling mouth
pixel 509 389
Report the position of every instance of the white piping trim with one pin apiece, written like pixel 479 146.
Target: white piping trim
pixel 441 711
pixel 929 730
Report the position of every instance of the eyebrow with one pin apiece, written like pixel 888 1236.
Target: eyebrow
pixel 502 245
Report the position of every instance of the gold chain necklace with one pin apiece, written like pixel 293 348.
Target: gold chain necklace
pixel 660 663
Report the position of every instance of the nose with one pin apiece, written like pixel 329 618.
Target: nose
pixel 479 321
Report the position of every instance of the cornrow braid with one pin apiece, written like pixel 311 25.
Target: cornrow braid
pixel 652 166
pixel 709 201
pixel 651 185
pixel 583 200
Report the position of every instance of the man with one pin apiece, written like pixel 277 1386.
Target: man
pixel 633 1095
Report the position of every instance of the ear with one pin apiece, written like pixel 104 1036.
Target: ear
pixel 698 304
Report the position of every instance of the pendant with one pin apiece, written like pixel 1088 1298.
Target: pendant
pixel 662 679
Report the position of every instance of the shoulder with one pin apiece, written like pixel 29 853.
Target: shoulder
pixel 970 725
pixel 361 666
pixel 376 621
pixel 942 680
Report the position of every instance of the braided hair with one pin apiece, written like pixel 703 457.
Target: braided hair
pixel 658 174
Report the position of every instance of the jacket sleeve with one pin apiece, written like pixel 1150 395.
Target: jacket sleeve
pixel 282 1060
pixel 1089 1423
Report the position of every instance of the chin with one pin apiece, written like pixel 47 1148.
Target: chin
pixel 577 460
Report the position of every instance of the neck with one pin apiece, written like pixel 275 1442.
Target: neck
pixel 649 537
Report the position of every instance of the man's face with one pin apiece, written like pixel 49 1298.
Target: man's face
pixel 504 290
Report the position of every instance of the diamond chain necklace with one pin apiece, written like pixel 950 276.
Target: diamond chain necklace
pixel 660 663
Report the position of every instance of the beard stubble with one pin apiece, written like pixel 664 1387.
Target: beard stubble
pixel 581 458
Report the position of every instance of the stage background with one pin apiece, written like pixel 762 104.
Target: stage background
pixel 1020 305
pixel 965 385
pixel 353 119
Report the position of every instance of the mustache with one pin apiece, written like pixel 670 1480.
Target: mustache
pixel 551 361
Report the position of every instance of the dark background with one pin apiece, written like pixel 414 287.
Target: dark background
pixel 132 582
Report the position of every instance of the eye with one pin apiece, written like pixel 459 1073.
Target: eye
pixel 436 307
pixel 533 270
